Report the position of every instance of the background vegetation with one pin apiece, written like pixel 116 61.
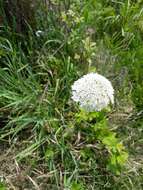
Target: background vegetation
pixel 43 144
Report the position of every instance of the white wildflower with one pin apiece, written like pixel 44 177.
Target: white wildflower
pixel 39 33
pixel 93 92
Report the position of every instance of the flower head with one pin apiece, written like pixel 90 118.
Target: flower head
pixel 93 92
pixel 39 33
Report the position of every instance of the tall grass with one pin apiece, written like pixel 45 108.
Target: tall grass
pixel 35 82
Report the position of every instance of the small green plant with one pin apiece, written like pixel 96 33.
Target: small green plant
pixel 100 133
pixel 2 186
pixel 94 93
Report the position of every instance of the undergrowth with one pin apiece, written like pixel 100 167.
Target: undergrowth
pixel 36 74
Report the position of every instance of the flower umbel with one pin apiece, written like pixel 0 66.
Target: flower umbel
pixel 93 92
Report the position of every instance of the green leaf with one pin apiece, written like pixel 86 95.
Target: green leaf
pixel 77 186
pixel 110 141
pixel 121 159
pixel 2 186
pixel 49 153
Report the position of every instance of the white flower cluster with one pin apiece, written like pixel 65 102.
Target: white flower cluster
pixel 93 92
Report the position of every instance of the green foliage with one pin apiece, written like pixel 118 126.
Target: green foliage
pixel 77 186
pixel 80 150
pixel 135 66
pixel 2 186
pixel 100 131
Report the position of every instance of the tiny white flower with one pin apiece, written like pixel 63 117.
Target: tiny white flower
pixel 93 92
pixel 39 33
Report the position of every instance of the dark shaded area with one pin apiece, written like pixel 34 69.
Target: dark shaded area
pixel 18 14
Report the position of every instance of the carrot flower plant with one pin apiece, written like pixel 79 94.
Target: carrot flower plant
pixel 94 94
